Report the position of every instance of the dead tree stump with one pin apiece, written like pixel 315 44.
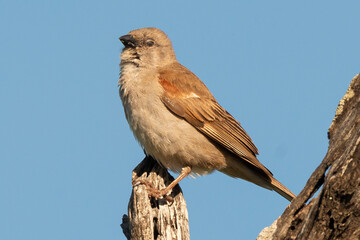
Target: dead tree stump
pixel 335 212
pixel 155 219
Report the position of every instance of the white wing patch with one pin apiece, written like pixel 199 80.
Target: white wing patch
pixel 192 95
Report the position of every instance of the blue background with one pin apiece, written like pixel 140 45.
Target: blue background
pixel 66 151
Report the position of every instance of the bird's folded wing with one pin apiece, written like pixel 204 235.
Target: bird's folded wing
pixel 201 110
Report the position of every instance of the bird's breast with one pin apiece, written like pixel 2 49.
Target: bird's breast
pixel 169 139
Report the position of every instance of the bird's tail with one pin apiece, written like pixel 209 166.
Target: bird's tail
pixel 282 190
pixel 259 176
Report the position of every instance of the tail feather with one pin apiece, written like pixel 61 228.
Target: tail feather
pixel 260 176
pixel 282 190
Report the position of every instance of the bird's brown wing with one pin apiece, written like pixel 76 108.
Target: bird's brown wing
pixel 187 97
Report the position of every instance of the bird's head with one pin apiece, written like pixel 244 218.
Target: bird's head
pixel 147 47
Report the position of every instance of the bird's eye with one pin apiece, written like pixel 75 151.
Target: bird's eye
pixel 150 43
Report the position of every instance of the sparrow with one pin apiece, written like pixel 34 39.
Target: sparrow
pixel 177 120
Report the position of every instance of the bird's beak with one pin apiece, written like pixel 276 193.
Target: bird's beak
pixel 128 41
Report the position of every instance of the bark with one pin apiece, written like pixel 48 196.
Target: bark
pixel 335 212
pixel 155 219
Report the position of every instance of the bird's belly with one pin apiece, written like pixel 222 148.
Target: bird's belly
pixel 171 140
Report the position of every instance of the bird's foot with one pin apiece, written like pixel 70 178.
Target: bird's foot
pixel 153 192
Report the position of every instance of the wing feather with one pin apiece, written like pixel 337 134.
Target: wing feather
pixel 187 97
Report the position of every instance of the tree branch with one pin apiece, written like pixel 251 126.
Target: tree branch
pixel 150 218
pixel 335 212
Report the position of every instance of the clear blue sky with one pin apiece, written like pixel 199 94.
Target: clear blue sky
pixel 66 151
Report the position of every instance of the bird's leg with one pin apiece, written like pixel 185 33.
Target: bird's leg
pixel 162 192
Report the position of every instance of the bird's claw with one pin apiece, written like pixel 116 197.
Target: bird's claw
pixel 153 192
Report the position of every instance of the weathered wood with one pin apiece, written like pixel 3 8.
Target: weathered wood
pixel 155 219
pixel 335 212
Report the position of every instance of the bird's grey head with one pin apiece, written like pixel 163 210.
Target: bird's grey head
pixel 147 47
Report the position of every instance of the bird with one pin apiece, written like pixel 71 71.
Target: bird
pixel 178 121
